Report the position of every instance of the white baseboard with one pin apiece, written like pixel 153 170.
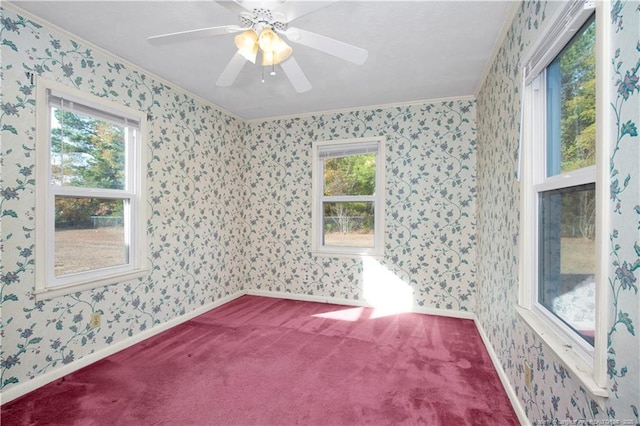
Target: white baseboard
pixel 35 383
pixel 513 398
pixel 22 389
pixel 511 393
pixel 358 303
pixel 304 297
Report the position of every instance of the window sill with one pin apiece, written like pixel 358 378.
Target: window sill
pixel 351 254
pixel 52 292
pixel 578 367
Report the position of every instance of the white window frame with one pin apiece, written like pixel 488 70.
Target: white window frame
pixel 588 364
pixel 48 285
pixel 335 149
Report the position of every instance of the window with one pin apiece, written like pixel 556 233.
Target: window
pixel 565 187
pixel 560 285
pixel 348 204
pixel 90 228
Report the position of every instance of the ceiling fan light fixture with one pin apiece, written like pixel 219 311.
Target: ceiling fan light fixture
pixel 267 39
pixel 276 57
pixel 247 44
pixel 267 58
pixel 277 50
pixel 283 52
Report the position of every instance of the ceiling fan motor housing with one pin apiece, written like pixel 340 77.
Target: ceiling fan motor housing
pixel 261 18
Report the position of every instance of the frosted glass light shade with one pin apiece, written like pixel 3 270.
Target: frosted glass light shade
pixel 277 51
pixel 274 58
pixel 267 39
pixel 247 44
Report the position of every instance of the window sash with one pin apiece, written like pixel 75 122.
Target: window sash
pixel 590 371
pixel 127 195
pixel 541 183
pixel 131 132
pixel 71 191
pixel 574 178
pixel 57 281
pixel 52 94
pixel 339 149
pixel 583 349
pixel 546 264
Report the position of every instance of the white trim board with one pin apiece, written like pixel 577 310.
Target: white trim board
pixel 54 28
pixel 26 387
pixel 511 393
pixel 51 376
pixel 361 108
pixel 504 379
pixel 48 377
pixel 506 26
pixel 357 303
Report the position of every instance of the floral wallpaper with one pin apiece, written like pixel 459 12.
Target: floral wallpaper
pixel 430 203
pixel 193 165
pixel 228 204
pixel 229 210
pixel 555 397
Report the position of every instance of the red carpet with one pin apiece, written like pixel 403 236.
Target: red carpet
pixel 263 361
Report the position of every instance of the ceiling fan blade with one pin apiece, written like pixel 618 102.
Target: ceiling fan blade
pixel 234 6
pixel 328 45
pixel 296 9
pixel 295 75
pixel 194 34
pixel 232 70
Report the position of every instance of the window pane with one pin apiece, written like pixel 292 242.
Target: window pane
pixel 86 152
pixel 567 257
pixel 352 175
pixel 571 105
pixel 348 224
pixel 89 234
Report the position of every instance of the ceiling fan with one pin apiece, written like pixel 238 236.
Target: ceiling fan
pixel 260 32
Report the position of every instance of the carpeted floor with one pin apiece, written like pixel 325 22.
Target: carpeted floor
pixel 263 361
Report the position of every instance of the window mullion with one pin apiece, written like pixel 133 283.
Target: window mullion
pixel 574 178
pixel 68 191
pixel 348 198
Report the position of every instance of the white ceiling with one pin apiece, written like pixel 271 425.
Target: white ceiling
pixel 418 50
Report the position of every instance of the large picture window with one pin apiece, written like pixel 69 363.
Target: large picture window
pixel 348 208
pixel 560 286
pixel 89 183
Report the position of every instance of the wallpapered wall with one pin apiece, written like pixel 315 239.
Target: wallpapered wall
pixel 229 205
pixel 229 209
pixel 555 395
pixel 430 205
pixel 192 173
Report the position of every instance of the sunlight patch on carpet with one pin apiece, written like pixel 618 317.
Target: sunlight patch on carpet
pixel 350 314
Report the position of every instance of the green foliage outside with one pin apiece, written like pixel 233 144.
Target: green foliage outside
pixel 578 128
pixel 578 97
pixel 352 175
pixel 88 153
